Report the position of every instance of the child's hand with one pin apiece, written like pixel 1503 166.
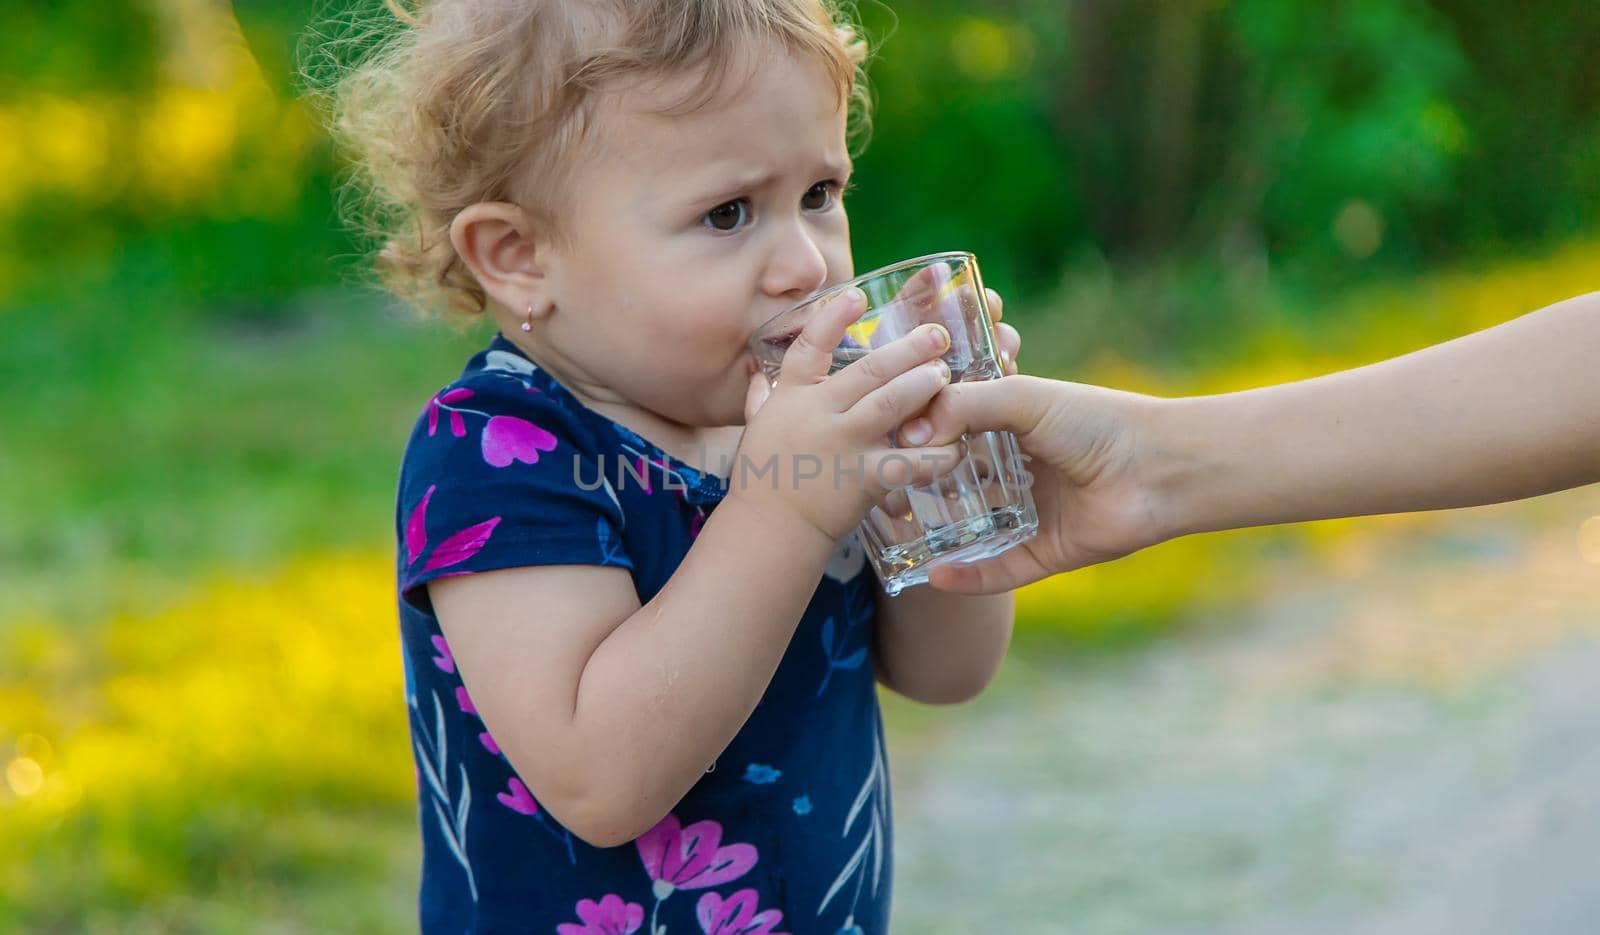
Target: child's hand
pixel 1007 341
pixel 929 293
pixel 817 446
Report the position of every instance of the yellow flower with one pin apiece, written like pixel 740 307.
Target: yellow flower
pixel 71 144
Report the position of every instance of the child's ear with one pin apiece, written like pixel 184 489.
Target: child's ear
pixel 498 242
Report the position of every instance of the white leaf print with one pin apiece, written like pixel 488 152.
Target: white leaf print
pixel 434 781
pixel 443 736
pixel 877 853
pixel 847 560
pixel 845 874
pixel 862 796
pixel 873 789
pixel 505 360
pixel 455 835
pixel 465 804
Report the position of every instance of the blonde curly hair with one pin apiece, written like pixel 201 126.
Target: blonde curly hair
pixel 455 102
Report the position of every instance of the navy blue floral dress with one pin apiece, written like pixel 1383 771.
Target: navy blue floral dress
pixel 790 832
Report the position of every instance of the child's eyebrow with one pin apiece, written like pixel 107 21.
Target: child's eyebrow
pixel 722 184
pixel 715 185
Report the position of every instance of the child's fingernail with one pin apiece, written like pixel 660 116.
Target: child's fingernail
pixel 944 370
pixel 917 431
pixel 935 337
pixel 855 297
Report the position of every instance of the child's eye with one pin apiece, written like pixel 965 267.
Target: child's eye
pixel 819 196
pixel 728 217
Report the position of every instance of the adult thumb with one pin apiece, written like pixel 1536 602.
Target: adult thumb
pixel 1009 404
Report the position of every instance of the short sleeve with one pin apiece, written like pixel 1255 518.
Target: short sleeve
pixel 502 474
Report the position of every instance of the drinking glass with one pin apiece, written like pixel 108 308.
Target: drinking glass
pixel 983 506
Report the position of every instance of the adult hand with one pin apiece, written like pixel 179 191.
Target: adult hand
pixel 1082 447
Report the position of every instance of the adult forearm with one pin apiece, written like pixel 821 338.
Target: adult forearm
pixel 1509 412
pixel 940 648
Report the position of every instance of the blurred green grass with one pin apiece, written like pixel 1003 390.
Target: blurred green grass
pixel 155 443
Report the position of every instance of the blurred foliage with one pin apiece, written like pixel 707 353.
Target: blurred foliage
pixel 146 151
pixel 142 144
pixel 1259 138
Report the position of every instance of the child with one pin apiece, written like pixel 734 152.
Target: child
pixel 642 698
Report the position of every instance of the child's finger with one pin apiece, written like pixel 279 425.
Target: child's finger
pixel 929 297
pixel 756 394
pixel 954 301
pixel 922 289
pixel 887 362
pixel 895 469
pixel 997 306
pixel 895 501
pixel 880 411
pixel 810 357
pixel 1009 344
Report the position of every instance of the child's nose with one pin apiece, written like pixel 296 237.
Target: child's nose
pixel 797 267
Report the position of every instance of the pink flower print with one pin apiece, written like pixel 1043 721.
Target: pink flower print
pixel 508 438
pixel 689 858
pixel 463 545
pixel 644 473
pixel 417 527
pixel 736 915
pixel 465 700
pixel 609 916
pixel 458 428
pixel 488 743
pixel 445 660
pixel 520 800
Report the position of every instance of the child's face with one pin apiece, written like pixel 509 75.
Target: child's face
pixel 686 232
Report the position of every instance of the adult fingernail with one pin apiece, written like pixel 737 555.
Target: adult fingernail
pixel 917 431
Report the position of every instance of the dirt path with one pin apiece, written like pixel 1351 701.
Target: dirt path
pixel 1402 739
